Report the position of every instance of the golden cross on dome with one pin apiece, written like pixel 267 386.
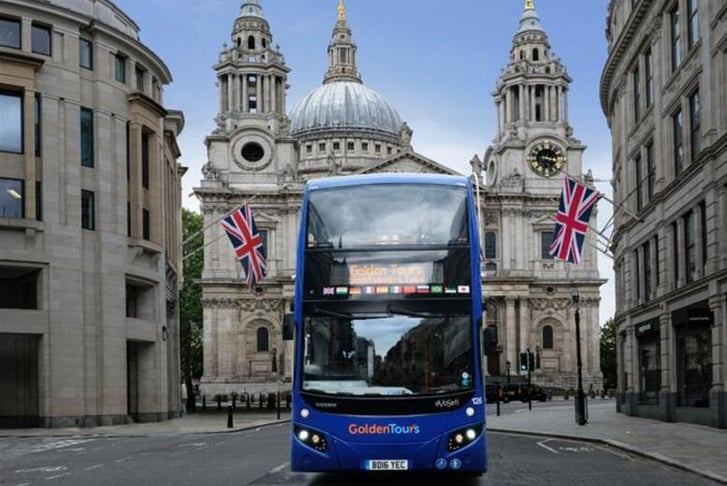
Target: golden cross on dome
pixel 529 5
pixel 341 12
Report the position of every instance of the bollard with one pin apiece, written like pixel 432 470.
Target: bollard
pixel 219 402
pixel 278 400
pixel 229 417
pixel 204 403
pixel 234 397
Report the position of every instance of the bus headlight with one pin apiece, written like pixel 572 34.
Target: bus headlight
pixel 304 412
pixel 311 438
pixel 460 438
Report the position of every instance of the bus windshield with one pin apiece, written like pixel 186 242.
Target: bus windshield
pixel 388 214
pixel 396 354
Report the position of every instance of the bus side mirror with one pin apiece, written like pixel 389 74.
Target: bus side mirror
pixel 490 340
pixel 288 327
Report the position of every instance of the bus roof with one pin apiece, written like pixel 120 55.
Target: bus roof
pixel 386 178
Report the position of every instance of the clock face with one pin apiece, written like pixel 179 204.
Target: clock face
pixel 546 159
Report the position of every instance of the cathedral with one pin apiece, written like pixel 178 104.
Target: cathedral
pixel 261 153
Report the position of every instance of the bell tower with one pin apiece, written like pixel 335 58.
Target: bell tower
pixel 527 291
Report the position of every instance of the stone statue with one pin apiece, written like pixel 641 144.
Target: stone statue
pixel 209 172
pixel 476 164
pixel 405 134
pixel 334 165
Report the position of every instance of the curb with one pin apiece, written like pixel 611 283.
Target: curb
pixel 622 446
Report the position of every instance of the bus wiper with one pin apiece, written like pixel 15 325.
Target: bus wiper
pixel 318 310
pixel 402 312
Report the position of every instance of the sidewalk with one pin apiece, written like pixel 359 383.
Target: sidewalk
pixel 694 448
pixel 690 447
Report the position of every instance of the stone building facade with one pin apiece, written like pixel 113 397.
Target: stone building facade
pixel 260 154
pixel 90 219
pixel 663 93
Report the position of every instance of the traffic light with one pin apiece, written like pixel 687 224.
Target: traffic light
pixel 531 360
pixel 523 361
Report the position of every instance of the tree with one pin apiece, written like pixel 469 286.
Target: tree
pixel 190 298
pixel 608 353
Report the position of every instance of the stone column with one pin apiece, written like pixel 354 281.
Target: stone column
pixel 244 105
pixel 546 102
pixel 565 105
pixel 230 95
pixel 681 262
pixel 667 389
pixel 510 343
pixel 274 94
pixel 521 91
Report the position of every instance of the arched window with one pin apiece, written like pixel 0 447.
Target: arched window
pixel 263 339
pixel 536 55
pixel 547 337
pixel 490 245
pixel 251 42
pixel 522 55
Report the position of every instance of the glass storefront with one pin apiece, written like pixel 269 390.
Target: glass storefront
pixel 647 334
pixel 693 336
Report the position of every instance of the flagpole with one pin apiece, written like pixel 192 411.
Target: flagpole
pixel 205 245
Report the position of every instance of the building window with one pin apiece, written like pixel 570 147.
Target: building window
pixel 675 251
pixel 364 146
pixel 38 200
pixel 145 160
pixel 12 195
pixel 85 53
pixel 264 237
pixel 676 50
pixel 252 104
pixel 88 210
pixel 349 146
pixel 639 181
pixel 87 148
pixel 649 77
pixel 132 301
pixel 693 25
pixel 388 150
pixel 547 337
pixel 637 276
pixel 263 340
pixel 252 80
pixel 309 148
pixel 546 239
pixel 145 224
pixel 40 39
pixel 336 146
pixel 322 147
pixel 10 33
pixel 19 288
pixel 690 246
pixel 490 245
pixel 11 122
pixel 695 136
pixel 703 233
pixel 377 148
pixel 635 78
pixel 694 363
pixel 651 171
pixel 677 128
pixel 120 68
pixel 251 42
pixel 649 369
pixel 656 260
pixel 36 123
pixel 139 72
pixel 647 271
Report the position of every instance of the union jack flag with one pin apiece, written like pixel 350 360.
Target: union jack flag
pixel 571 222
pixel 247 243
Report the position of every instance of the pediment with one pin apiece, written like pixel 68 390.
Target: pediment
pixel 409 161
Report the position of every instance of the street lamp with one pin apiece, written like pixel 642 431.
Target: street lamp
pixel 580 397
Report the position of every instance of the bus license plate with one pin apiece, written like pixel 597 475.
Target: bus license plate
pixel 387 465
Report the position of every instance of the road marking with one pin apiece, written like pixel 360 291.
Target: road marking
pixel 95 466
pixel 193 444
pixel 41 469
pixel 542 444
pixel 278 469
pixel 58 476
pixel 576 449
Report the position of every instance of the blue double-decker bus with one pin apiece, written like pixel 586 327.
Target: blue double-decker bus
pixel 388 318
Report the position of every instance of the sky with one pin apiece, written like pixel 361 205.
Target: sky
pixel 437 62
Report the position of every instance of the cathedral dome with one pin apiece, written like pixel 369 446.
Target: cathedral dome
pixel 344 106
